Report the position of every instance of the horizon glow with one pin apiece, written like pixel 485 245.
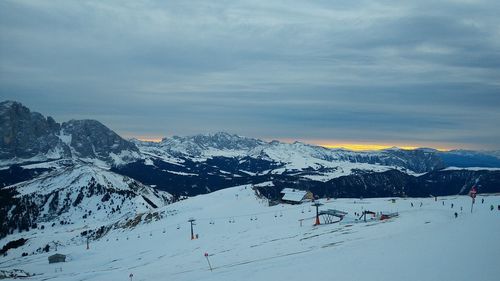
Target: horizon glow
pixel 353 146
pixel 376 146
pixel 348 73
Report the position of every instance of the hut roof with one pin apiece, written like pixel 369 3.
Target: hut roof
pixel 57 258
pixel 293 195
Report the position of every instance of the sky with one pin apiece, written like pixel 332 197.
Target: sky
pixel 405 73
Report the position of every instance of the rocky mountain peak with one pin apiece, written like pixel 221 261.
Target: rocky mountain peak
pixel 29 136
pixel 92 139
pixel 223 140
pixel 198 144
pixel 25 134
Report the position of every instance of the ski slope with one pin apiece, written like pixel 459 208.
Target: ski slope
pixel 247 240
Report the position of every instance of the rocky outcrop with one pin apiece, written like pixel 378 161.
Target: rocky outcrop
pixel 198 144
pixel 26 134
pixel 91 139
pixel 29 136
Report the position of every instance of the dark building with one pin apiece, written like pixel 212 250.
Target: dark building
pixel 57 258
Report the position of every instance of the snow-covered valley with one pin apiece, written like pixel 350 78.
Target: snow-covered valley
pixel 248 240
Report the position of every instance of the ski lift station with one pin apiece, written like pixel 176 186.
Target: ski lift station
pixel 295 196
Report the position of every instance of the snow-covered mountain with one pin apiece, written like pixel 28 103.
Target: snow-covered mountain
pixel 205 163
pixel 30 137
pixel 295 156
pixel 218 144
pixel 37 149
pixel 76 194
pixel 89 139
pixel 321 163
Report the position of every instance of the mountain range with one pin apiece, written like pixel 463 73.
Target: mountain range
pixel 81 170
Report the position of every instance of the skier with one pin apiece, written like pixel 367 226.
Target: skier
pixel 491 207
pixel 482 201
pixel 452 205
pixel 411 205
pixel 456 215
pixel 421 204
pixel 443 203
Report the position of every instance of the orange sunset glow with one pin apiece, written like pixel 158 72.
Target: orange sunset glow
pixel 365 146
pixel 150 139
pixel 362 146
pixel 329 144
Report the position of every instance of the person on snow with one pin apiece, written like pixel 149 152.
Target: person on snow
pixel 456 214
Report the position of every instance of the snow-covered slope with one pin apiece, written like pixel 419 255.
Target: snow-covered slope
pixel 247 240
pixel 79 194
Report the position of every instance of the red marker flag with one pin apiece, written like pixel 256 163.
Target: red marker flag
pixel 473 192
pixel 209 265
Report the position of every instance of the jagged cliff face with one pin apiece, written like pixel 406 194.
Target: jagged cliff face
pixel 206 145
pixel 91 139
pixel 223 141
pixel 29 136
pixel 26 134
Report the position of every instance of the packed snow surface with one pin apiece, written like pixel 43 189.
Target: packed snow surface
pixel 247 240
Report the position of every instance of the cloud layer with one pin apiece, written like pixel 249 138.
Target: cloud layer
pixel 419 72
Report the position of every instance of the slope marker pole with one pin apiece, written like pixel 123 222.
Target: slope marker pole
pixel 209 265
pixel 191 220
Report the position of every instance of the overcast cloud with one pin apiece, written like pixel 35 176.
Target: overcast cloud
pixel 396 72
